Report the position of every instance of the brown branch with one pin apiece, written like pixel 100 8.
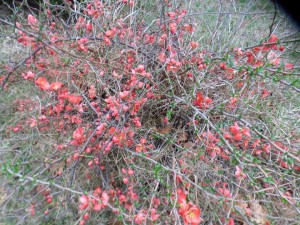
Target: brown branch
pixel 77 162
pixel 273 21
pixel 248 124
pixel 17 66
pixel 283 82
pixel 59 187
pixel 273 43
pixel 30 34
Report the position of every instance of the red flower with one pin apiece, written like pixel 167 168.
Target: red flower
pixel 42 83
pixel 199 99
pixel 98 207
pixel 84 202
pixel 273 38
pixel 192 216
pixel 110 33
pixel 230 73
pixel 104 198
pixel 92 92
pixel 56 85
pixel 223 65
pixel 124 94
pixel 246 131
pixel 225 192
pixel 227 135
pixel 202 102
pixel 181 195
pixel 194 44
pixel 78 133
pixel 238 137
pixel 29 75
pixel 230 221
pixel 154 216
pixel 189 28
pixel 183 206
pixel 239 173
pixel 75 99
pixel 32 20
pixel 265 93
pixel 289 66
pixel 235 129
pixel 139 218
pixel 125 180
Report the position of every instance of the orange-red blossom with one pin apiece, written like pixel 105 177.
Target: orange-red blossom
pixel 190 212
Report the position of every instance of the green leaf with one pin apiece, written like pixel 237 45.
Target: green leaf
pixel 284 201
pixel 157 171
pixel 269 180
pixel 276 79
pixel 256 160
pixel 234 161
pixel 295 83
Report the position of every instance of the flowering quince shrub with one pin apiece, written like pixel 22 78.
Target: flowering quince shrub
pixel 144 126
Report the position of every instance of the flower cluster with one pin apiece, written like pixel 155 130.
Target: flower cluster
pixel 190 212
